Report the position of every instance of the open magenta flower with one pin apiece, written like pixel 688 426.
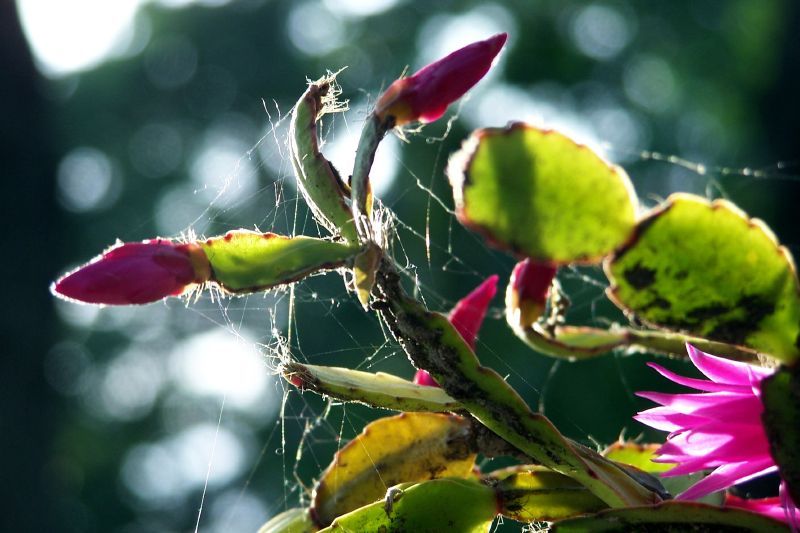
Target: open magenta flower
pixel 467 317
pixel 136 273
pixel 425 95
pixel 717 429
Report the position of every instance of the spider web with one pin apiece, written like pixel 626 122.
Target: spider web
pixel 432 251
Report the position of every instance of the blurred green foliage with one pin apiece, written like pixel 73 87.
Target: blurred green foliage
pixel 122 415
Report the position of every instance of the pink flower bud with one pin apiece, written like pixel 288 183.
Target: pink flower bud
pixel 136 273
pixel 425 96
pixel 467 317
pixel 468 314
pixel 527 289
pixel 422 377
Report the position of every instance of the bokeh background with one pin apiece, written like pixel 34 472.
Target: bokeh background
pixel 133 118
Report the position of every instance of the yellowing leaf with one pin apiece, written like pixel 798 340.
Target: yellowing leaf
pixel 397 449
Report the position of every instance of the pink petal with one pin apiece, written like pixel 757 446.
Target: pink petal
pixel 771 507
pixel 468 314
pixel 667 419
pixel 716 405
pixel 726 476
pixel 721 370
pixel 699 384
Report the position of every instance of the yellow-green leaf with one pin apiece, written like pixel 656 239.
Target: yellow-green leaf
pixel 635 454
pixel 534 494
pixel 376 390
pixel 707 269
pixel 403 448
pixel 465 506
pixel 540 194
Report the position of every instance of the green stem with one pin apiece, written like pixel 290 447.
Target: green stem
pixel 372 134
pixel 433 344
pixel 580 342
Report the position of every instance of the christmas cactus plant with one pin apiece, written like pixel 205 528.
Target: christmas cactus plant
pixel 695 277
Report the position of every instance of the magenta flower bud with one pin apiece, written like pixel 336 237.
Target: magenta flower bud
pixel 136 273
pixel 527 290
pixel 424 97
pixel 467 317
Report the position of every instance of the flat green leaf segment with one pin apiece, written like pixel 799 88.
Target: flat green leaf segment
pixel 540 194
pixel 376 390
pixel 639 455
pixel 781 396
pixel 408 447
pixel 672 516
pixel 246 261
pixel 533 494
pixel 705 268
pixel 439 505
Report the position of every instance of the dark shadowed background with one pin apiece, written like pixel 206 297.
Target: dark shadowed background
pixel 130 119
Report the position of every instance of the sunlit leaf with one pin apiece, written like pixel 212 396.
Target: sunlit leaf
pixel 542 195
pixel 376 390
pixel 639 455
pixel 672 516
pixel 705 268
pixel 403 448
pixel 246 261
pixel 461 505
pixel 531 494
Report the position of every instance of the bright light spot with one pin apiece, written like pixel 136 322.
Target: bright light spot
pixel 218 364
pixel 600 32
pixel 161 472
pixel 315 30
pixel 179 210
pixel 77 34
pixel 221 170
pixel 66 366
pixel 650 82
pixel 86 180
pixel 79 316
pixel 177 4
pixel 156 150
pixel 274 150
pixel 129 386
pixel 443 34
pixel 236 510
pixel 500 104
pixel 359 8
pixel 341 151
pixel 622 130
pixel 544 105
pixel 170 62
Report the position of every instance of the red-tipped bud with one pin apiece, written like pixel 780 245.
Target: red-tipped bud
pixel 526 296
pixel 467 316
pixel 422 377
pixel 424 97
pixel 136 273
